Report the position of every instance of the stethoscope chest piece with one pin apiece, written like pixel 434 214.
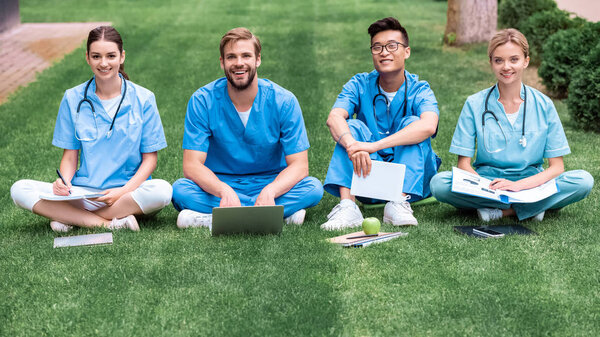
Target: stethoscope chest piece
pixel 523 141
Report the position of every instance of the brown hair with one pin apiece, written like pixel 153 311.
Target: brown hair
pixel 237 34
pixel 508 35
pixel 107 33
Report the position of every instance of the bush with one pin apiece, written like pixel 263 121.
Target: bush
pixel 511 13
pixel 584 92
pixel 563 53
pixel 540 26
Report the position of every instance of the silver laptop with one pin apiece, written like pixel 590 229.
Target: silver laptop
pixel 248 219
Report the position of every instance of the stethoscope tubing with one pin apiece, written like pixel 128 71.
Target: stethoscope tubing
pixel 523 140
pixel 85 99
pixel 387 102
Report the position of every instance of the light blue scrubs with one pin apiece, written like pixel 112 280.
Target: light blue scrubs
pixel 545 139
pixel 357 99
pixel 108 162
pixel 246 158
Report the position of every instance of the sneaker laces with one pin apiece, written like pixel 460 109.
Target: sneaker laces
pixel 403 203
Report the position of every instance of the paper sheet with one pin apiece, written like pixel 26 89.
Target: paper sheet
pixel 468 183
pixel 384 183
pixel 54 197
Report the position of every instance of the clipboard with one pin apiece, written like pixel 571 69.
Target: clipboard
pixel 385 182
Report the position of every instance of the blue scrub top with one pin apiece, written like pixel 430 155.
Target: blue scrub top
pixel 543 131
pixel 357 98
pixel 108 162
pixel 274 130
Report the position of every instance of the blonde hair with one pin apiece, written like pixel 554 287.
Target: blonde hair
pixel 508 35
pixel 237 34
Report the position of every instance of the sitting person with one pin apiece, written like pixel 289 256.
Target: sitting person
pixel 244 143
pixel 396 116
pixel 116 126
pixel 511 128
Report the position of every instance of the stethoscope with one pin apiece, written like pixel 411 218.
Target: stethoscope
pixel 387 103
pixel 87 100
pixel 522 140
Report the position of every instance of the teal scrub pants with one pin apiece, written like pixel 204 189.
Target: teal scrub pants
pixel 573 186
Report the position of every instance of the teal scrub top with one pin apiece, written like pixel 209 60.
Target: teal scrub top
pixel 274 130
pixel 107 162
pixel 543 131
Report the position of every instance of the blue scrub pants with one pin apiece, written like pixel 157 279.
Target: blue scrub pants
pixel 188 195
pixel 420 160
pixel 573 186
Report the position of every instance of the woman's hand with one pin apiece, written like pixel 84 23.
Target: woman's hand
pixel 111 195
pixel 59 188
pixel 507 185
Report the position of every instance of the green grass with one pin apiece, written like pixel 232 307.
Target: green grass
pixel 165 281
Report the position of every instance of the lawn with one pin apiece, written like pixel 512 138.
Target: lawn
pixel 165 281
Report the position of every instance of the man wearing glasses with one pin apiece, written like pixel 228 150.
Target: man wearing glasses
pixel 396 116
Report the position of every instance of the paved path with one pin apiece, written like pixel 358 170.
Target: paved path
pixel 32 47
pixel 589 9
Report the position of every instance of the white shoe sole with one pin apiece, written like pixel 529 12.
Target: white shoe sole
pixel 352 225
pixel 388 220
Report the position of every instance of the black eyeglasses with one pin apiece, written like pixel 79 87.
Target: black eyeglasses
pixel 390 47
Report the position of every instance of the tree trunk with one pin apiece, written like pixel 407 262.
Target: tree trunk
pixel 9 14
pixel 470 21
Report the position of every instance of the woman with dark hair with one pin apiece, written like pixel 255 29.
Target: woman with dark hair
pixel 511 128
pixel 110 126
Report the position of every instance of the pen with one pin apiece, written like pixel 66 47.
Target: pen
pixel 362 236
pixel 61 178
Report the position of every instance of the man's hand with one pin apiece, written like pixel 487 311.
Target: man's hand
pixel 357 146
pixel 362 163
pixel 265 198
pixel 506 185
pixel 59 188
pixel 229 198
pixel 111 195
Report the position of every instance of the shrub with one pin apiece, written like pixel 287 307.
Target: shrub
pixel 512 13
pixel 563 53
pixel 540 26
pixel 584 92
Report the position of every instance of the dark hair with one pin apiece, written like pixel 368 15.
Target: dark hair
pixel 110 34
pixel 389 23
pixel 237 34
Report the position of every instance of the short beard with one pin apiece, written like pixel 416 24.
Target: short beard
pixel 242 86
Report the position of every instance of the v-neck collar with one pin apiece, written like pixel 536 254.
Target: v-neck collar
pixel 98 104
pixel 502 112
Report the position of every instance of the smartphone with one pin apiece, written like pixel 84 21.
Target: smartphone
pixel 487 232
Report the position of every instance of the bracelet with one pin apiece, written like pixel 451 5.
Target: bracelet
pixel 342 135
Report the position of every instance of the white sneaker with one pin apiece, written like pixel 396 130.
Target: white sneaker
pixel 399 213
pixel 60 227
pixel 539 217
pixel 128 222
pixel 489 214
pixel 296 218
pixel 188 218
pixel 346 215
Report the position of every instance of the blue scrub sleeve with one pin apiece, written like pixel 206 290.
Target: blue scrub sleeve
pixel 64 129
pixel 425 100
pixel 197 131
pixel 348 99
pixel 556 141
pixel 463 140
pixel 153 135
pixel 293 131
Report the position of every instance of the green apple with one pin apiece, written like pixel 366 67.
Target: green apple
pixel 371 226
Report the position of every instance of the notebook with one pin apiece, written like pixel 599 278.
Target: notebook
pixel 247 219
pixel 359 239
